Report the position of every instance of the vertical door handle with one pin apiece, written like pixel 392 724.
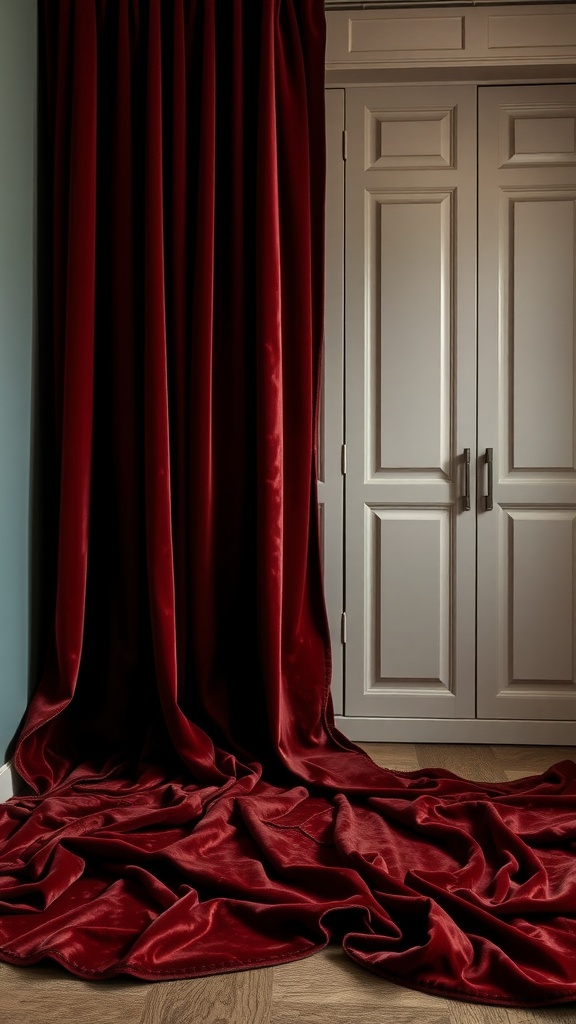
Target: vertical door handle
pixel 466 479
pixel 490 467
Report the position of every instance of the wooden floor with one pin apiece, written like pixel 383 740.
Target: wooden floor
pixel 325 989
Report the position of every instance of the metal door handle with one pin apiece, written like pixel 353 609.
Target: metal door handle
pixel 490 466
pixel 466 479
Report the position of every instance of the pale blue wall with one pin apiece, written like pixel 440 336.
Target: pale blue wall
pixel 17 204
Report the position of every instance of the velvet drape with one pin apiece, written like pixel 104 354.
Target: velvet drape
pixel 190 807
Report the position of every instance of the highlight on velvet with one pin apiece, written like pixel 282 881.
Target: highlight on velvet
pixel 188 806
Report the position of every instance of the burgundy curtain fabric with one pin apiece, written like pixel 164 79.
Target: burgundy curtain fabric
pixel 191 808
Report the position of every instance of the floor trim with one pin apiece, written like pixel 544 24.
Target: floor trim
pixel 6 785
pixel 462 730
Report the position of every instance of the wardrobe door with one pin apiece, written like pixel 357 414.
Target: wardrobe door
pixel 410 401
pixel 526 412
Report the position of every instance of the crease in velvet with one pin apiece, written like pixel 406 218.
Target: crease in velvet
pixel 190 808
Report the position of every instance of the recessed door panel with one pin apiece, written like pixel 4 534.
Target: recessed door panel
pixel 411 292
pixel 542 330
pixel 541 596
pixel 409 139
pixel 411 636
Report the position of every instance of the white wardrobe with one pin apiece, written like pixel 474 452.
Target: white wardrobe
pixel 448 427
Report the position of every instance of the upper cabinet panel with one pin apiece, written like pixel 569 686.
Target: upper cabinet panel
pixel 534 32
pixel 397 34
pixel 460 36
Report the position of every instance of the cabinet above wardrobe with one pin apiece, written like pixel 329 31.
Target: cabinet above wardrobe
pixel 447 36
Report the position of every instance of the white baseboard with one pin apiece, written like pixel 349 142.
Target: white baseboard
pixel 462 730
pixel 6 783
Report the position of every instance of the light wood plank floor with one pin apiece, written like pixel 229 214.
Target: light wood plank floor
pixel 325 989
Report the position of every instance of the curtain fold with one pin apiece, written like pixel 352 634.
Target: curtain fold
pixel 191 808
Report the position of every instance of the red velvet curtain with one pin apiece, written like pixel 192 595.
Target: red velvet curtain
pixel 191 807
